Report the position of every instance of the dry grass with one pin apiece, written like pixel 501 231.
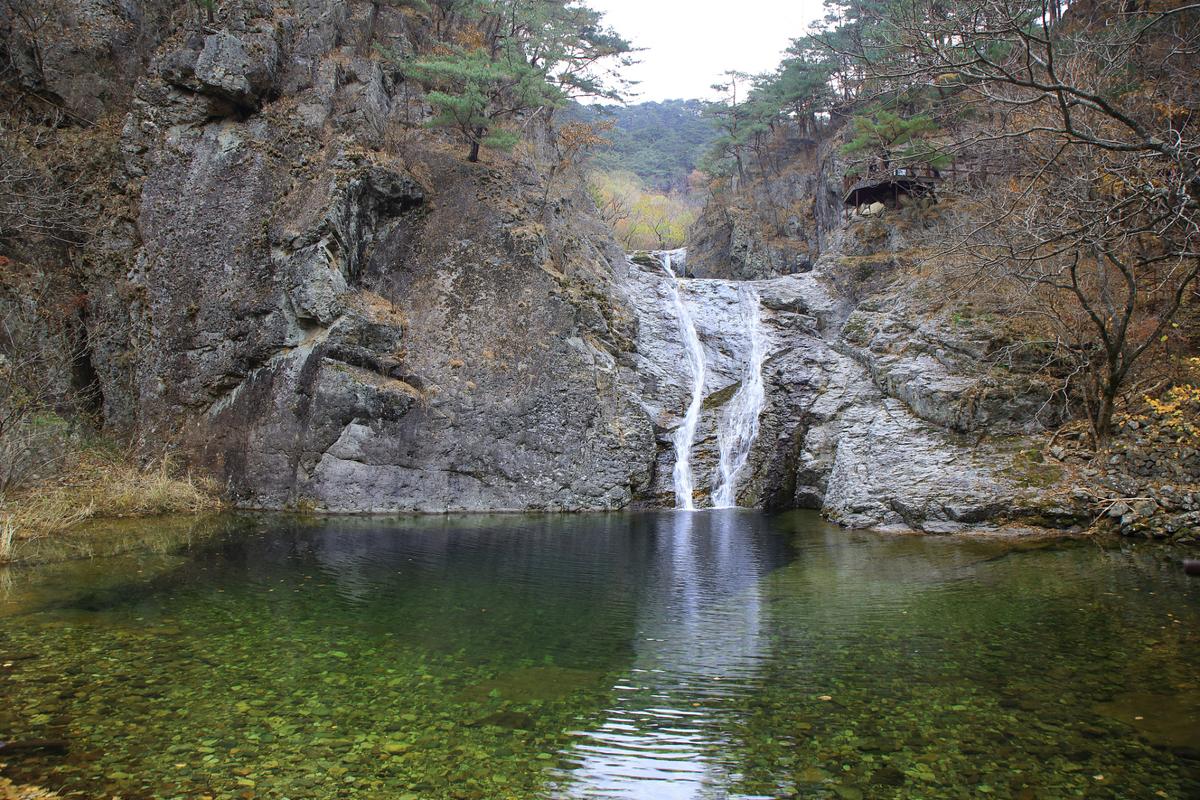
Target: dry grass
pixel 100 486
pixel 8 534
pixel 12 791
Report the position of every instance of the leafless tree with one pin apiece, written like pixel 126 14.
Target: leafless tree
pixel 34 201
pixel 613 209
pixel 1086 121
pixel 28 26
pixel 39 347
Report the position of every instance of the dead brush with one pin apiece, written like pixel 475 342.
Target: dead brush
pixel 8 534
pixel 100 485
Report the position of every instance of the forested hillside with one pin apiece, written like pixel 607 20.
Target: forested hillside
pixel 661 143
pixel 643 169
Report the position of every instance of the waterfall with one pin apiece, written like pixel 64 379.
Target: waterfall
pixel 737 427
pixel 685 434
pixel 739 424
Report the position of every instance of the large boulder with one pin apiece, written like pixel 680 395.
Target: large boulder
pixel 240 70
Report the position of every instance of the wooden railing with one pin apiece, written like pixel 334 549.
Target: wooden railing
pixel 880 172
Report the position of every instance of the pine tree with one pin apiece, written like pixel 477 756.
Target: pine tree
pixel 513 57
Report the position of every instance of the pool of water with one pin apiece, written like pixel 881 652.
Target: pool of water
pixel 659 655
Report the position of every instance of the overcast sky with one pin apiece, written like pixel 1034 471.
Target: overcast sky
pixel 689 43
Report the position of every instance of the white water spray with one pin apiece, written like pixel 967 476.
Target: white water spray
pixel 685 434
pixel 739 423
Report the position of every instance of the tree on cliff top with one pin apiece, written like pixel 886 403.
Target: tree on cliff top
pixel 813 82
pixel 734 119
pixel 902 139
pixel 510 58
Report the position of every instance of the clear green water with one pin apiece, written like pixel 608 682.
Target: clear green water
pixel 708 655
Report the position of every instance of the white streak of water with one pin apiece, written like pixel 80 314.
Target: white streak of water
pixel 685 434
pixel 739 423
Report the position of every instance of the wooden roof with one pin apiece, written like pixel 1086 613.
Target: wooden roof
pixel 881 185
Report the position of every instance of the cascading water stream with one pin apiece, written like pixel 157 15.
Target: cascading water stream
pixel 739 423
pixel 685 434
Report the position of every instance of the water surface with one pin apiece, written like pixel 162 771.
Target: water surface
pixel 660 655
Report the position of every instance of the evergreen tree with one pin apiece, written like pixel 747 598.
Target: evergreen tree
pixel 730 116
pixel 898 139
pixel 513 57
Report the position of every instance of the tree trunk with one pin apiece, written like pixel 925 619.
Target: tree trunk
pixel 1103 422
pixel 475 139
pixel 1106 405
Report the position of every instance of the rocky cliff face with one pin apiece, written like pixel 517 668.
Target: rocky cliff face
pixel 833 436
pixel 333 322
pixel 326 307
pixel 299 291
pixel 775 226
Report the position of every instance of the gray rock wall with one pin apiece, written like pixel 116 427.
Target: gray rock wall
pixel 297 289
pixel 778 223
pixel 887 405
pixel 327 317
pixel 830 437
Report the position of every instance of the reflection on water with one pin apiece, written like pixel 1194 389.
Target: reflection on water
pixel 697 641
pixel 719 654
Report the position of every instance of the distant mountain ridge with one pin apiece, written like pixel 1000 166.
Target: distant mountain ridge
pixel 661 143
